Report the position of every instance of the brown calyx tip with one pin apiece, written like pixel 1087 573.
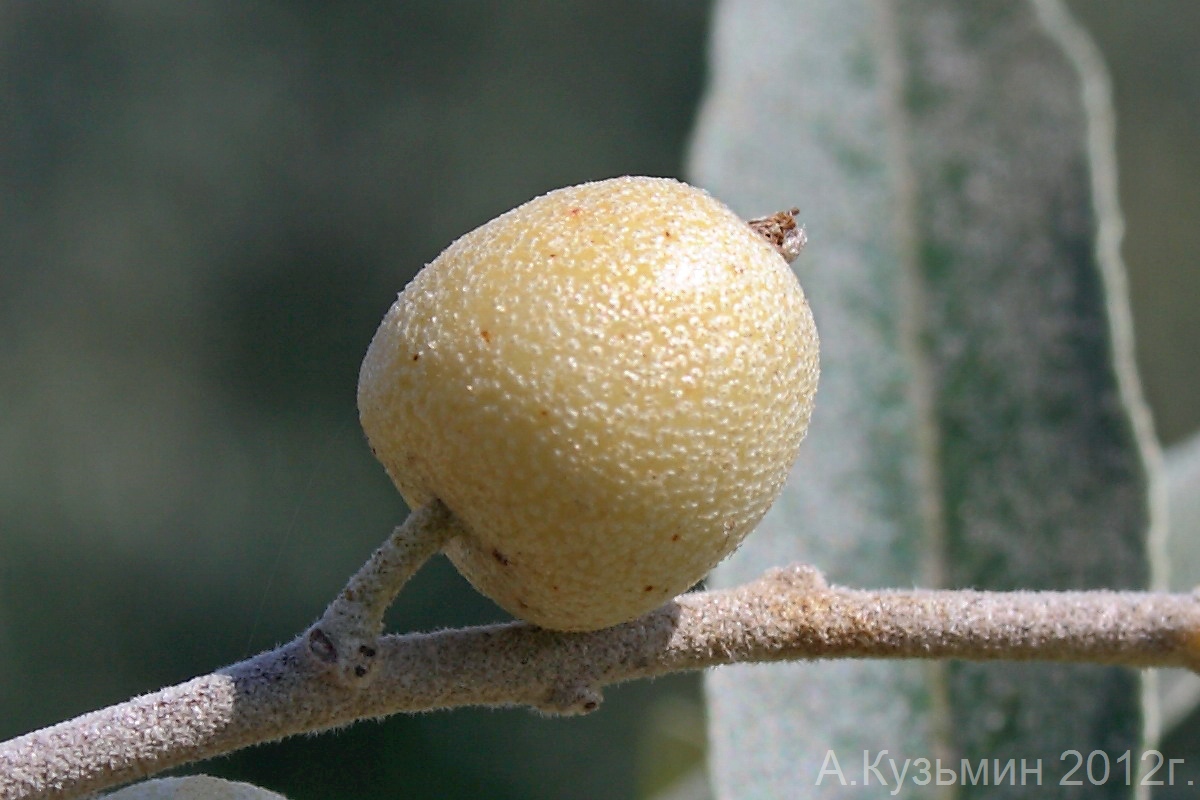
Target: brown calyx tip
pixel 781 230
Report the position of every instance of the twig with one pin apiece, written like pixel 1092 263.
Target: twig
pixel 787 614
pixel 345 640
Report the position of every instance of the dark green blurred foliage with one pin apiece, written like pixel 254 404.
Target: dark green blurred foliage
pixel 205 210
pixel 1155 65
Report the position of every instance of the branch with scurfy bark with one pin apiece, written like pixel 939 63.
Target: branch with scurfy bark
pixel 787 614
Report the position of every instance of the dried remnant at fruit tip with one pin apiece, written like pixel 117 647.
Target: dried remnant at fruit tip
pixel 781 230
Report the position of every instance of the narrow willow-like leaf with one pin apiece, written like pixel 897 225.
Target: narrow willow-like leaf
pixel 1180 690
pixel 796 115
pixel 975 424
pixel 1183 493
pixel 193 787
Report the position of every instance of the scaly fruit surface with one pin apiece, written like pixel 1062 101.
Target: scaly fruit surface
pixel 607 385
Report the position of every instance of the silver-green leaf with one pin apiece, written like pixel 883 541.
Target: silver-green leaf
pixel 978 423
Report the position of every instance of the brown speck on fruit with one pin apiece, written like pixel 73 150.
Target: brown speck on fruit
pixel 575 211
pixel 648 588
pixel 543 412
pixel 501 559
pixel 416 356
pixel 782 232
pixel 666 234
pixel 487 337
pixel 675 537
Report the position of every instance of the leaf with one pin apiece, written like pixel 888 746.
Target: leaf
pixel 1179 690
pixel 1183 501
pixel 193 787
pixel 978 422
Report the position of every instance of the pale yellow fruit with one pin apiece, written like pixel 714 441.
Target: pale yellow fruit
pixel 606 385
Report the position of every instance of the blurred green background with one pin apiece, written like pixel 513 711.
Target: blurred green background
pixel 205 210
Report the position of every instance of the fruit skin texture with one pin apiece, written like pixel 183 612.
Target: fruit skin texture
pixel 607 385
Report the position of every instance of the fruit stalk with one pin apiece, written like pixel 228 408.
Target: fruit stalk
pixel 345 640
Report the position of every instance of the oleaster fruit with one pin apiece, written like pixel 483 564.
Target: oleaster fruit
pixel 607 386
